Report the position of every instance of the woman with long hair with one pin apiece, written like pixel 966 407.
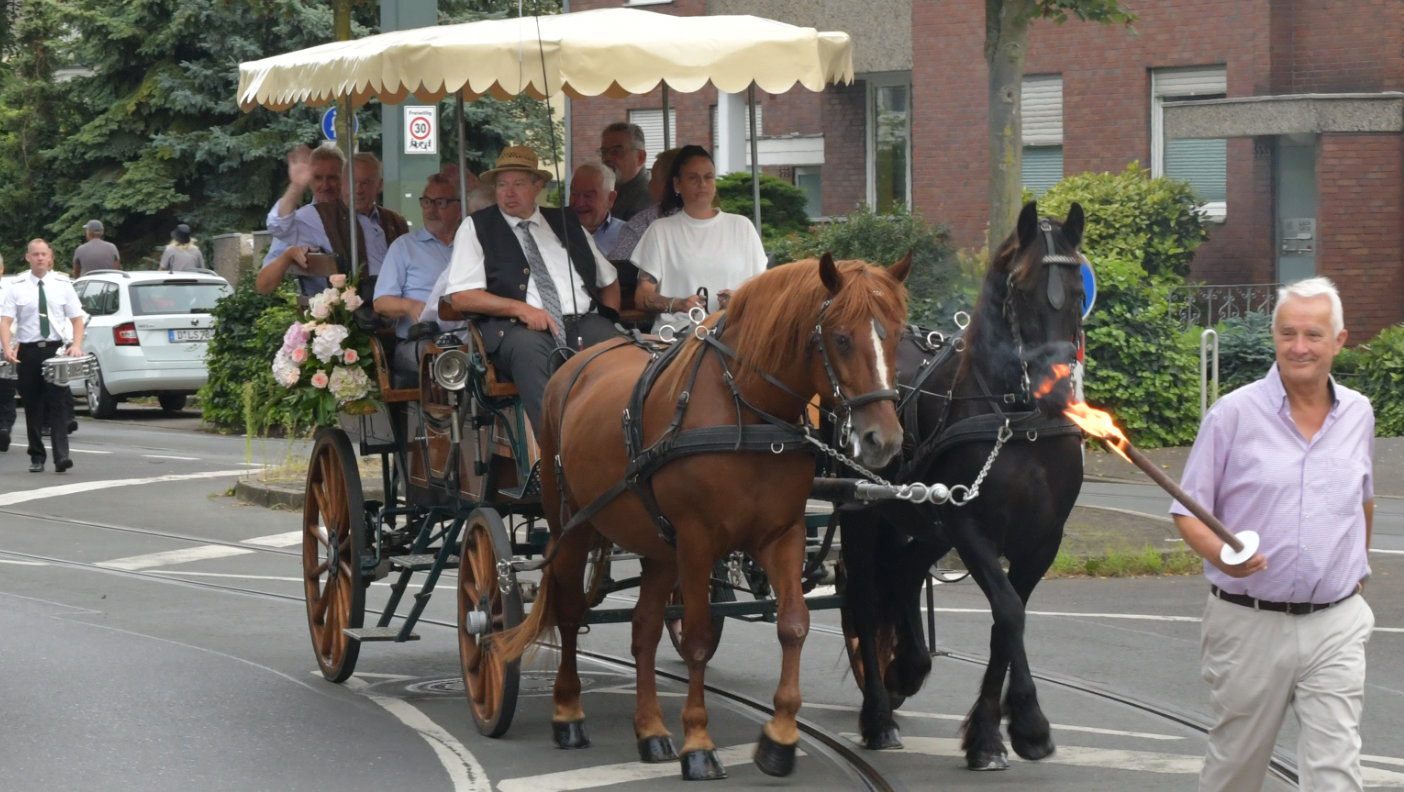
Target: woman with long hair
pixel 696 253
pixel 182 253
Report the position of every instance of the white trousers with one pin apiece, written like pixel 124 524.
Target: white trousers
pixel 1260 663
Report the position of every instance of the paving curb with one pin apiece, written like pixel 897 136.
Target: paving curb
pixel 282 496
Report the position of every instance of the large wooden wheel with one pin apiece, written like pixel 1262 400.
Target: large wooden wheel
pixel 721 591
pixel 488 604
pixel 333 535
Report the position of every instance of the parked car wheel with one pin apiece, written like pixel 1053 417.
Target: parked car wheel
pixel 171 402
pixel 101 404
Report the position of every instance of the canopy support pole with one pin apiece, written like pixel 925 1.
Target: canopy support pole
pixel 346 136
pixel 462 151
pixel 666 126
pixel 755 159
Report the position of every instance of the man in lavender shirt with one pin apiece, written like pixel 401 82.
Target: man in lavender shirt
pixel 1288 456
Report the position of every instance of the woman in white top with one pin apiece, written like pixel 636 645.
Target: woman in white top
pixel 700 247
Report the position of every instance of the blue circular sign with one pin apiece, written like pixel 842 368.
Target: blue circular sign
pixel 1089 288
pixel 329 124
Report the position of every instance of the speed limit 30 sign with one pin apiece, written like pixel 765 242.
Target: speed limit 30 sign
pixel 422 129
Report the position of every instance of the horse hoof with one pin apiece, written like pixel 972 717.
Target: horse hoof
pixel 774 758
pixel 984 761
pixel 570 734
pixel 1034 751
pixel 884 740
pixel 657 749
pixel 702 766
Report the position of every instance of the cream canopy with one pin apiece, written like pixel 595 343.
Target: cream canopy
pixel 611 51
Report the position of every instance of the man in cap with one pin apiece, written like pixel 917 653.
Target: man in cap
pixel 97 253
pixel 622 149
pixel 535 273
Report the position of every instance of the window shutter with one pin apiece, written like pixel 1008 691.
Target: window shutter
pixel 1042 110
pixel 1202 163
pixel 651 122
pixel 1043 167
pixel 1201 81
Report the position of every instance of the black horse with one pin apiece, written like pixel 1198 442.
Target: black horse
pixel 982 413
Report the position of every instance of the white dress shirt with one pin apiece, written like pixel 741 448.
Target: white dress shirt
pixel 21 303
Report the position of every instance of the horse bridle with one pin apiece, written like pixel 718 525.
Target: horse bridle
pixel 1054 293
pixel 844 407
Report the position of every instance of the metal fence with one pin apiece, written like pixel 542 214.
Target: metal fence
pixel 1199 305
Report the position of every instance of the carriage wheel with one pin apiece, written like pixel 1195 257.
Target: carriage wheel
pixel 721 591
pixel 886 652
pixel 333 534
pixel 487 604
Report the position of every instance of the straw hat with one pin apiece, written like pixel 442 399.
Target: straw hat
pixel 516 158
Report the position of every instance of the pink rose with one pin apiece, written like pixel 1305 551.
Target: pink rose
pixel 338 280
pixel 350 356
pixel 319 380
pixel 352 300
pixel 299 355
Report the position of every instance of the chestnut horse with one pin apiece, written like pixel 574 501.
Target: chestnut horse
pixel 807 328
pixel 958 400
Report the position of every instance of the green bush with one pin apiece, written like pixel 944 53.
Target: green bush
pixel 1140 367
pixel 1132 217
pixel 237 354
pixel 1376 369
pixel 937 287
pixel 782 203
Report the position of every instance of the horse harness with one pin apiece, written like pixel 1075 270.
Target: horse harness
pixel 775 434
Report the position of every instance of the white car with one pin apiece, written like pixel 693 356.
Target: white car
pixel 149 331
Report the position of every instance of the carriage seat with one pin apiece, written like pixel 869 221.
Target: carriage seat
pixel 494 385
pixel 383 380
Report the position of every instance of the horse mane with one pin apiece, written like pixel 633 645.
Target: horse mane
pixel 773 314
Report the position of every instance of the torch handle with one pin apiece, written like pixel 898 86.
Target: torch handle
pixel 1168 484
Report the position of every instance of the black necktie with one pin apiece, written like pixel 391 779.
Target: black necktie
pixel 43 313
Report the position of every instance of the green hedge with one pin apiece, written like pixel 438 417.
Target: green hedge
pixel 782 203
pixel 241 395
pixel 1376 369
pixel 937 286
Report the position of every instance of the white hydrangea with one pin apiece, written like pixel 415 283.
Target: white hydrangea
pixel 327 343
pixel 349 383
pixel 285 371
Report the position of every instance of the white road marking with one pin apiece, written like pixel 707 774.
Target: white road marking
pixel 185 573
pixel 171 557
pixel 168 456
pixel 22 496
pixel 1075 755
pixel 86 451
pixel 464 770
pixel 18 562
pixel 611 774
pixel 285 539
pixel 960 718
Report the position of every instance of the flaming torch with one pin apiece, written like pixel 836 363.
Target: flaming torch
pixel 1237 547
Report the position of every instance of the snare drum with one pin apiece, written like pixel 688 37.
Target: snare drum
pixel 61 370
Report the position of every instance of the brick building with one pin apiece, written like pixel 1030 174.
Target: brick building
pixel 1285 116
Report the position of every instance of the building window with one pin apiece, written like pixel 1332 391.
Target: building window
pixel 1041 106
pixel 808 179
pixel 651 122
pixel 1202 163
pixel 889 141
pixel 760 124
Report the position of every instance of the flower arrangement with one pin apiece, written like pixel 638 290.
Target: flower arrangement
pixel 325 359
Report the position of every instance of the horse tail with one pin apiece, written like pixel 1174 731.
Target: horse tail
pixel 513 642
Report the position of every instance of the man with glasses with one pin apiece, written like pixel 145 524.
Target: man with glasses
pixel 413 264
pixel 622 149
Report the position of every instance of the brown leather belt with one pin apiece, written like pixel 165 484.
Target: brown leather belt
pixel 1293 608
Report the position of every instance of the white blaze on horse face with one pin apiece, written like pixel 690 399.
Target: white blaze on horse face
pixel 880 359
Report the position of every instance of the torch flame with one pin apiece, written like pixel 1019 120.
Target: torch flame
pixel 1098 424
pixel 1061 371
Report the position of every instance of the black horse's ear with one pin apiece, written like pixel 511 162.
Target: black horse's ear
pixel 828 272
pixel 901 269
pixel 1028 224
pixel 1072 227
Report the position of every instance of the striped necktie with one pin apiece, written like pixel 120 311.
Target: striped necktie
pixel 545 285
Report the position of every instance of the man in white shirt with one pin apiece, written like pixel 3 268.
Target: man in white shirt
pixel 30 314
pixel 7 388
pixel 543 297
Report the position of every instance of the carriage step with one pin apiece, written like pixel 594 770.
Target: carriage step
pixel 420 563
pixel 530 489
pixel 364 634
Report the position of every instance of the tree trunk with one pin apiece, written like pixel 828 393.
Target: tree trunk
pixel 1006 45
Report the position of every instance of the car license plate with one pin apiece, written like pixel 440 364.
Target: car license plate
pixel 192 334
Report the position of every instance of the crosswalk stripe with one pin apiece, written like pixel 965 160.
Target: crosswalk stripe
pixel 285 539
pixel 172 557
pixel 610 774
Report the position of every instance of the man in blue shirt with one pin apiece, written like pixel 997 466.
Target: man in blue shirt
pixel 592 198
pixel 413 264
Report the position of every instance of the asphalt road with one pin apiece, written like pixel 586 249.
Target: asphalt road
pixel 155 639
